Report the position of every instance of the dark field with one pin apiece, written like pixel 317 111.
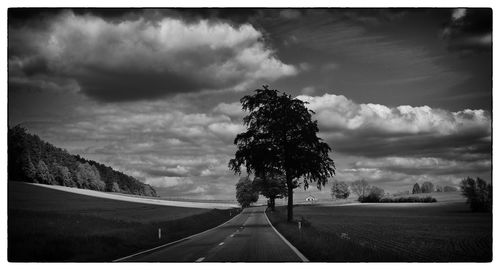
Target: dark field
pixel 52 225
pixel 446 232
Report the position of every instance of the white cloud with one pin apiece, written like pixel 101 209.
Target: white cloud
pixel 458 14
pixel 339 113
pixel 231 109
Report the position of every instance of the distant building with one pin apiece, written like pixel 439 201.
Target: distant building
pixel 310 199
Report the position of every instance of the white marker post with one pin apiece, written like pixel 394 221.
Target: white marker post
pixel 159 233
pixel 300 225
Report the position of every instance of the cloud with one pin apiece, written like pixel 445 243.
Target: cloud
pixel 377 130
pixel 135 58
pixel 290 14
pixel 425 165
pixel 308 90
pixel 231 109
pixel 469 30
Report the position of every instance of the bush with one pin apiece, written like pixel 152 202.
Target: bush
pixel 449 189
pixel 478 193
pixel 411 199
pixel 375 195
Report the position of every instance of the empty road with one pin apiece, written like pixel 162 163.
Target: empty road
pixel 248 237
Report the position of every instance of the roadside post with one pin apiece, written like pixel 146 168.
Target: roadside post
pixel 159 233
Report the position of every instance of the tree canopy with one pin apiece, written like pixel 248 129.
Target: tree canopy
pixel 271 186
pixel 281 137
pixel 416 189
pixel 479 194
pixel 360 187
pixel 340 190
pixel 245 192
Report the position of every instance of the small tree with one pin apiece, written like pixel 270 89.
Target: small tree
pixel 43 174
pixel 416 189
pixel 478 193
pixel 340 190
pixel 360 187
pixel 273 187
pixel 427 187
pixel 245 192
pixel 28 169
pixel 63 175
pixel 439 188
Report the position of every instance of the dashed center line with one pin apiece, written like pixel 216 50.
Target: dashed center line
pixel 200 259
pixel 221 243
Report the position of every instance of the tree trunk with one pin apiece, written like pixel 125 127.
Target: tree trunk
pixel 271 202
pixel 290 198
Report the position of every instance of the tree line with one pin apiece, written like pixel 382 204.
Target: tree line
pixel 31 159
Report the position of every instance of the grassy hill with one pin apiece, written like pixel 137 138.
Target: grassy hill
pixel 51 225
pixel 33 160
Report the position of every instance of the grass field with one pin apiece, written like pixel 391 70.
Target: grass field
pixel 435 232
pixel 51 225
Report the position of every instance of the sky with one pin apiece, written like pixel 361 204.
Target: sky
pixel 402 96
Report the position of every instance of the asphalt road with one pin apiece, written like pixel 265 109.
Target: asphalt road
pixel 248 237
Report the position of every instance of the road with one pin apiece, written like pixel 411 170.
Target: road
pixel 248 237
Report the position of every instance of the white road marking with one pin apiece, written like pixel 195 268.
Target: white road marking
pixel 221 243
pixel 232 235
pixel 200 259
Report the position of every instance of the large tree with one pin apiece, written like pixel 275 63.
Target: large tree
pixel 282 137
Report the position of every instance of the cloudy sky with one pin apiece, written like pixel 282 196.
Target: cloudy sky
pixel 401 95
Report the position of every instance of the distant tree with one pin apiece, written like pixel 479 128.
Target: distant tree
pixel 281 136
pixel 360 187
pixel 43 174
pixel 449 189
pixel 28 169
pixel 87 176
pixel 416 189
pixel 273 187
pixel 115 187
pixel 427 187
pixel 479 194
pixel 245 192
pixel 439 188
pixel 374 195
pixel 340 190
pixel 25 151
pixel 63 176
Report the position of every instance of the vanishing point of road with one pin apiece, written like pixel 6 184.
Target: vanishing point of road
pixel 248 237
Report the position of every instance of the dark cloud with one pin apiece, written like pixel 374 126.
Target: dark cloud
pixel 124 56
pixel 469 30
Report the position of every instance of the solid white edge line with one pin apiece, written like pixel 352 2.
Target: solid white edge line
pixel 301 256
pixel 174 242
